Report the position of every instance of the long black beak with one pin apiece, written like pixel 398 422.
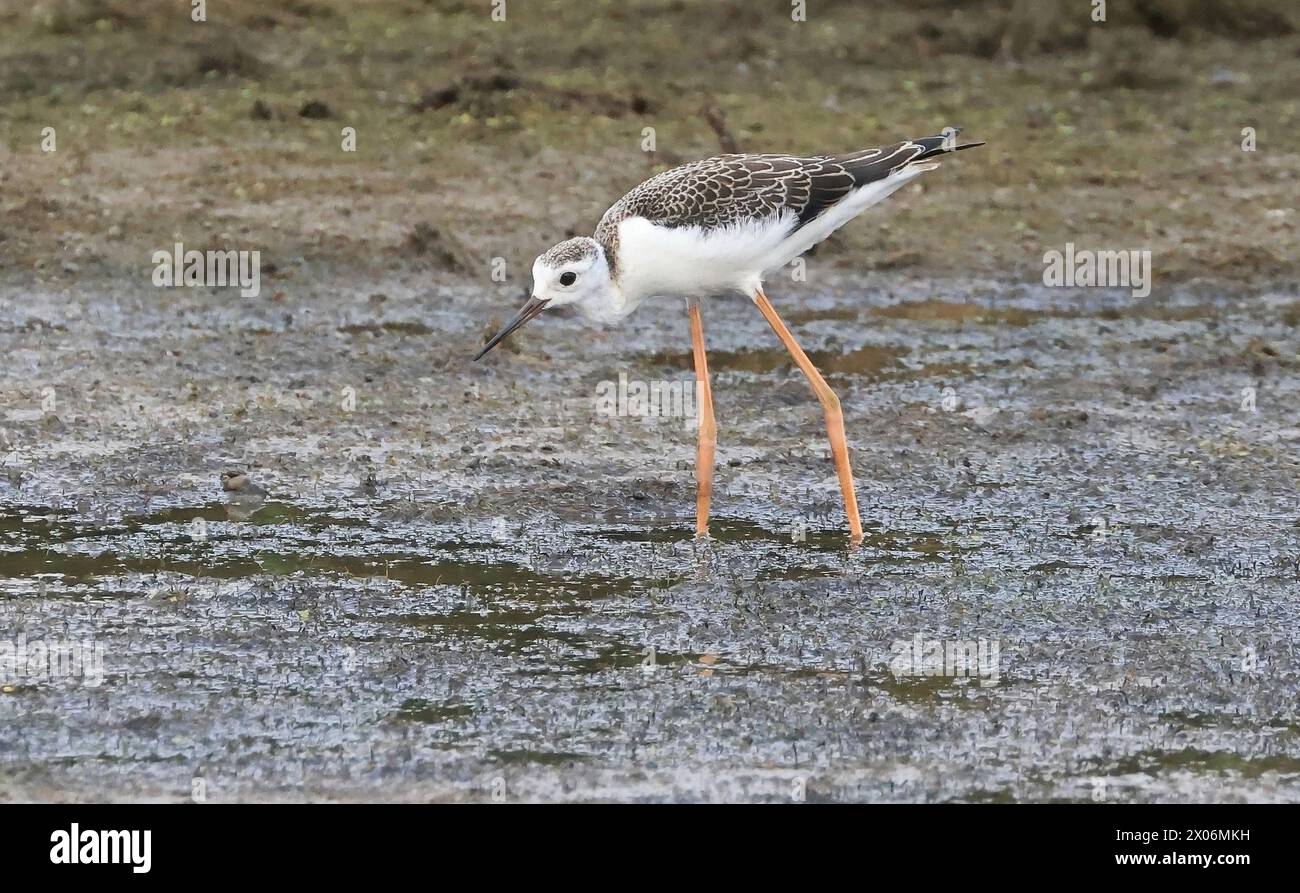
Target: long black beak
pixel 530 310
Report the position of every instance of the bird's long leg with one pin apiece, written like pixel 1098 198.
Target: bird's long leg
pixel 708 433
pixel 831 408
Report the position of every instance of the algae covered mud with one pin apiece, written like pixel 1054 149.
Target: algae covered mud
pixel 275 537
pixel 476 582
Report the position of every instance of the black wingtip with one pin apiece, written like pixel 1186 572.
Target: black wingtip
pixel 942 144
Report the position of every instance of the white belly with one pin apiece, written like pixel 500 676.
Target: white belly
pixel 657 260
pixel 685 261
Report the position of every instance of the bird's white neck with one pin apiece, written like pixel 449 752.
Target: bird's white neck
pixel 610 305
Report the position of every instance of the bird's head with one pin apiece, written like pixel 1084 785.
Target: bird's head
pixel 573 272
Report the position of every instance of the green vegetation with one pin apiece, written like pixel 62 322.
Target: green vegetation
pixel 478 138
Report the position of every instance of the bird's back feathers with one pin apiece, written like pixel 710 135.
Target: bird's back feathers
pixel 733 190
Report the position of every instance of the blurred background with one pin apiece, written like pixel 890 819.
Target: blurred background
pixel 478 138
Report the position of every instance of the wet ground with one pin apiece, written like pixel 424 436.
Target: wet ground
pixel 468 582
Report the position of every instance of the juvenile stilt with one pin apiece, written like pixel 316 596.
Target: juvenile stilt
pixel 830 407
pixel 719 225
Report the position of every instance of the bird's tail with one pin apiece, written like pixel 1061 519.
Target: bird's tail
pixel 942 144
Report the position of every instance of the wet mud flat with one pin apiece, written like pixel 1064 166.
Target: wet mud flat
pixel 1081 577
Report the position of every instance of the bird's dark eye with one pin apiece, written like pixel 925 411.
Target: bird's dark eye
pixel 568 278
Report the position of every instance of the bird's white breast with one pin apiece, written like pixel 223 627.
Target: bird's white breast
pixel 691 261
pixel 656 260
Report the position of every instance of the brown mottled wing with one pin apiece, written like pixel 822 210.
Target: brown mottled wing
pixel 732 189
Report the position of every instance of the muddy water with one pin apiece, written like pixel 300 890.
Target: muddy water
pixel 1080 578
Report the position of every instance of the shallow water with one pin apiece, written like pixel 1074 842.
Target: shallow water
pixel 467 583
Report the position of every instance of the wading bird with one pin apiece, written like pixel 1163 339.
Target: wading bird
pixel 718 226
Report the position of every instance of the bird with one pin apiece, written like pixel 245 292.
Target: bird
pixel 235 480
pixel 243 496
pixel 719 226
